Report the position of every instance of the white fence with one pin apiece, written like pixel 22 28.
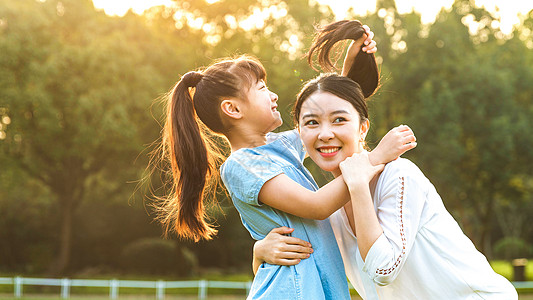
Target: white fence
pixel 114 285
pixel 159 286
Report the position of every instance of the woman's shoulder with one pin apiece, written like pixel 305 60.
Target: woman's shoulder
pixel 399 175
pixel 401 168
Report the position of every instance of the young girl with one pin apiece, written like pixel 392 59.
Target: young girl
pixel 264 174
pixel 396 238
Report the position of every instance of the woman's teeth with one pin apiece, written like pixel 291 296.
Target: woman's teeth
pixel 328 150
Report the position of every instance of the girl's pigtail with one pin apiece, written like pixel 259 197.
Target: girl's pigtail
pixel 364 69
pixel 183 141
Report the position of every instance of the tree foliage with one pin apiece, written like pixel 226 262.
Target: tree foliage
pixel 78 98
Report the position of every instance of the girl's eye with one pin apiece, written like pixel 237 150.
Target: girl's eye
pixel 339 119
pixel 310 122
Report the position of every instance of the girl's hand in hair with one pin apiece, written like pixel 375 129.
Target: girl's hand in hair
pixel 370 45
pixel 279 249
pixel 366 42
pixel 395 143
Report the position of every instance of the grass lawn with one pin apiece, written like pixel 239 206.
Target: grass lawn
pixel 85 293
pixel 506 269
pixel 130 297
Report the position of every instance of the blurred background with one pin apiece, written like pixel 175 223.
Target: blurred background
pixel 81 109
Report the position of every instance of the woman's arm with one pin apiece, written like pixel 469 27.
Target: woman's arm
pixel 400 202
pixel 358 171
pixel 278 249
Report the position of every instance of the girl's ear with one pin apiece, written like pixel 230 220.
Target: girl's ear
pixel 230 107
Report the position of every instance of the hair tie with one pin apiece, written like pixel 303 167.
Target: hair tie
pixel 192 78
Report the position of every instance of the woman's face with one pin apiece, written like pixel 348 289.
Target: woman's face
pixel 331 130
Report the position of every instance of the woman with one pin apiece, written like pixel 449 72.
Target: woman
pixel 396 238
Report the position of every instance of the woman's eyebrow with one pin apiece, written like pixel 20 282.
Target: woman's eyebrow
pixel 309 116
pixel 340 111
pixel 336 112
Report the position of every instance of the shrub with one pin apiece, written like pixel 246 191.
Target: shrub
pixel 156 256
pixel 512 247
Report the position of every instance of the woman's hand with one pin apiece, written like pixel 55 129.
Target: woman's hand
pixel 395 143
pixel 370 46
pixel 357 171
pixel 278 249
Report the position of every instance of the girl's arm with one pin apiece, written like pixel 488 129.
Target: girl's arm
pixel 284 194
pixel 395 143
pixel 278 249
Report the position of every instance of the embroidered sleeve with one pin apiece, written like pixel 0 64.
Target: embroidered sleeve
pixel 399 207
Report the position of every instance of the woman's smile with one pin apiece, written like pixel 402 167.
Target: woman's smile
pixel 328 151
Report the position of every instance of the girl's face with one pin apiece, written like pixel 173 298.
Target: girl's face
pixel 331 130
pixel 261 108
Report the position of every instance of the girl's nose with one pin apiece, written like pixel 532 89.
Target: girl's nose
pixel 273 96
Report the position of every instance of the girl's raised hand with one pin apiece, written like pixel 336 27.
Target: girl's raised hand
pixel 366 42
pixel 278 249
pixel 395 143
pixel 370 44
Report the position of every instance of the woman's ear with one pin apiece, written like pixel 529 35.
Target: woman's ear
pixel 230 107
pixel 365 126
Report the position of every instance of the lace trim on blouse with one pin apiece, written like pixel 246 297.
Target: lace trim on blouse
pixel 399 207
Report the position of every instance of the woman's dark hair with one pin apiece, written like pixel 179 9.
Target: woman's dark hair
pixel 364 69
pixel 193 117
pixel 340 86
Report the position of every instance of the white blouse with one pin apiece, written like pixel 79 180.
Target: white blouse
pixel 422 253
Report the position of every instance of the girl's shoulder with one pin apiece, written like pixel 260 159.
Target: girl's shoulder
pixel 289 137
pixel 278 154
pixel 247 160
pixel 258 160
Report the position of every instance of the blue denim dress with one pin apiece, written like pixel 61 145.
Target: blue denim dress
pixel 322 275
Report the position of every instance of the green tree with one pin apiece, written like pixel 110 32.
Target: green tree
pixel 76 110
pixel 464 95
pixel 77 91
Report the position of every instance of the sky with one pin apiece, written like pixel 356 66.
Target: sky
pixel 507 9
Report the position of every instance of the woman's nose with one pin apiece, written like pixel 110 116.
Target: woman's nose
pixel 325 133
